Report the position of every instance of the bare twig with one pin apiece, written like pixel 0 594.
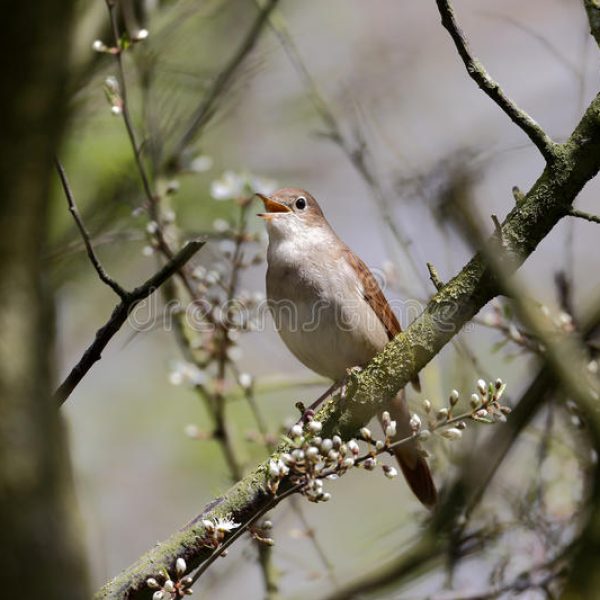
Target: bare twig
pixel 104 276
pixel 583 215
pixel 223 80
pixel 243 528
pixel 477 72
pixel 435 277
pixel 153 206
pixel 119 316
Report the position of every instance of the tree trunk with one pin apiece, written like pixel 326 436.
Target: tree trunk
pixel 40 552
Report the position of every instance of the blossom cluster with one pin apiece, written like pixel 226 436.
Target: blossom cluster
pixel 167 588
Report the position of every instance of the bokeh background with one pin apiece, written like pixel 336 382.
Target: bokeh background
pixel 390 74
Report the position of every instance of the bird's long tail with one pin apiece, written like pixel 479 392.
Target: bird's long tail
pixel 410 458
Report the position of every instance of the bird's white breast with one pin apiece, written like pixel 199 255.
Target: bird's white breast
pixel 317 303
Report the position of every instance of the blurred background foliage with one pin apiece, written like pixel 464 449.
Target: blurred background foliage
pixel 389 74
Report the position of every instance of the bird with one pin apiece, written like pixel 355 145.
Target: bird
pixel 330 311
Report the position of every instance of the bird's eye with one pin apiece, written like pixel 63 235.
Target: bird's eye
pixel 301 203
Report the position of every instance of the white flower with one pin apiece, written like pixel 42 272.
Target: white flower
pixel 201 163
pixel 99 46
pixel 159 595
pixel 142 34
pixel 175 378
pixel 225 524
pixel 230 186
pixel 296 431
pixel 220 225
pixel 152 583
pixel 169 586
pixel 245 380
pixel 191 431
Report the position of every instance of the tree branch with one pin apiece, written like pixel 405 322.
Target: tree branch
pixel 221 84
pixel 119 315
pixel 104 276
pixel 478 73
pixel 524 228
pixel 592 8
pixel 583 215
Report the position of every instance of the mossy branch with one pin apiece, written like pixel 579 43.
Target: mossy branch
pixel 576 162
pixel 482 78
pixel 592 8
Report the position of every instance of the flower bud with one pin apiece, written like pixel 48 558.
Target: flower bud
pixel 415 422
pixel 390 430
pixel 453 397
pixel 389 472
pixel 475 400
pixel 315 426
pixel 452 434
pixel 180 566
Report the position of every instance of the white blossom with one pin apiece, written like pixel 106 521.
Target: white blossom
pixel 229 186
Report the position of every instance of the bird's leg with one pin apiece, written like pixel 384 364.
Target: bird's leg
pixel 309 413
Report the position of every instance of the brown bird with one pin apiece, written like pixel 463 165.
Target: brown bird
pixel 330 311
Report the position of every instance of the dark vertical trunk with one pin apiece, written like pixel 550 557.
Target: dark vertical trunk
pixel 40 553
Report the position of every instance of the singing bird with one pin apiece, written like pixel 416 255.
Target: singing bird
pixel 330 311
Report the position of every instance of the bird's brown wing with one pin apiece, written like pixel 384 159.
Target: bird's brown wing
pixel 409 455
pixel 377 301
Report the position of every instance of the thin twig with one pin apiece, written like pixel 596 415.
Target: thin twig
pixel 153 207
pixel 477 72
pixel 264 433
pixel 104 276
pixel 119 316
pixel 435 277
pixel 243 528
pixel 583 215
pixel 223 80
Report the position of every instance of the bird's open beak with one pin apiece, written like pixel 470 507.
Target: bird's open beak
pixel 273 207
